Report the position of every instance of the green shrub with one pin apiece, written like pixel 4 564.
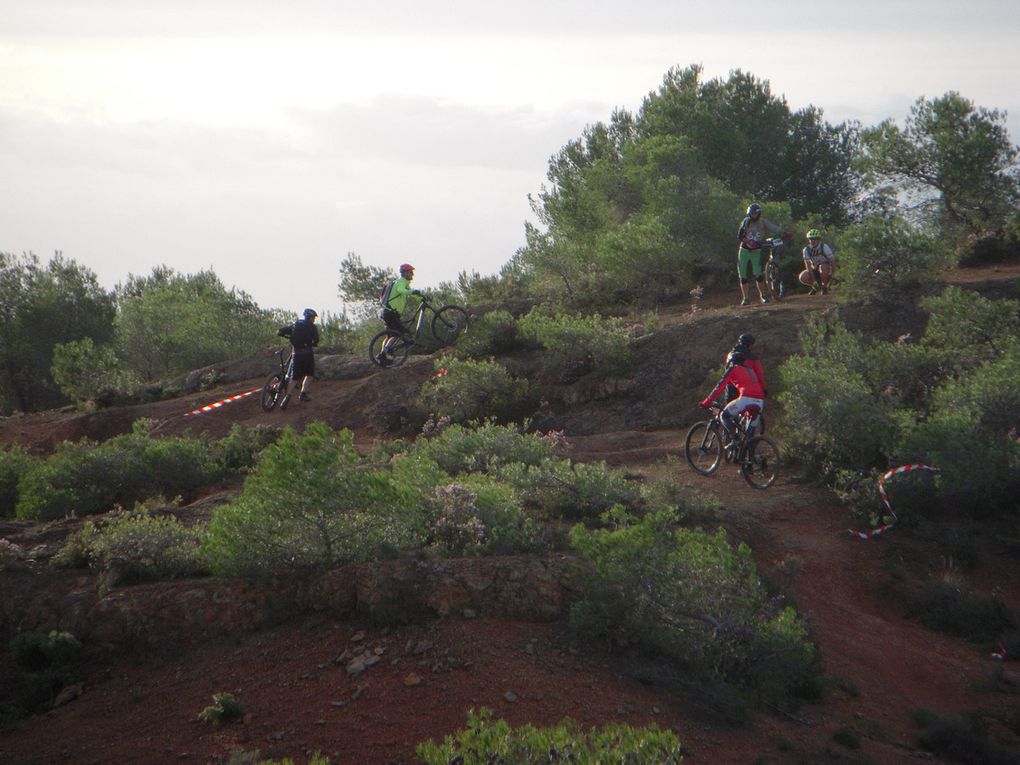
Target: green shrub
pixel 693 598
pixel 237 452
pixel 84 371
pixel 14 463
pixel 578 491
pixel 483 448
pixel 594 343
pixel 225 708
pixel 86 478
pixel 44 663
pixel 135 546
pixel 887 259
pixel 477 390
pixel 479 516
pixel 308 503
pixel 950 607
pixel 963 739
pixel 492 334
pixel 486 741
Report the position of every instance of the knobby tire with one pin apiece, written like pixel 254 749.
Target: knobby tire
pixel 449 323
pixel 395 357
pixel 272 392
pixel 760 461
pixel 703 447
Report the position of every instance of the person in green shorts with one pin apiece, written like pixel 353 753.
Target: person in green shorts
pixel 754 229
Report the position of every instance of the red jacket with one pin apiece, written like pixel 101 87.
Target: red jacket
pixel 745 381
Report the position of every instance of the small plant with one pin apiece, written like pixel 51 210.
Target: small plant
pixel 225 708
pixel 486 741
pixel 482 448
pixel 492 334
pixel 947 605
pixel 963 739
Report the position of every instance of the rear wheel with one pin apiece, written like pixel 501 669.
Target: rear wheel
pixel 272 392
pixel 449 323
pixel 759 463
pixel 703 447
pixel 396 349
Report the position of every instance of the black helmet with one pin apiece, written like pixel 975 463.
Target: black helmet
pixel 736 357
pixel 310 313
pixel 753 209
pixel 746 340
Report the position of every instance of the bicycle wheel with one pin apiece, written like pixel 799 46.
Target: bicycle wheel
pixel 449 323
pixel 774 280
pixel 703 447
pixel 759 462
pixel 272 392
pixel 395 356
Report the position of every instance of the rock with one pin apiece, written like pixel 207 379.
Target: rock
pixel 69 693
pixel 510 697
pixel 412 679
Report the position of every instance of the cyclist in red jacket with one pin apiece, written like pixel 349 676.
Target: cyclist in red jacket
pixel 749 388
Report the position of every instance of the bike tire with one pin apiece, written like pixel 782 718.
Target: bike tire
pixel 774 281
pixel 759 462
pixel 449 323
pixel 397 354
pixel 272 392
pixel 703 447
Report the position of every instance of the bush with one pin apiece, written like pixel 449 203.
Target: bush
pixel 962 739
pixel 135 546
pixel 482 448
pixel 86 478
pixel 14 463
pixel 236 453
pixel 84 371
pixel 477 390
pixel 887 259
pixel 44 663
pixel 590 343
pixel 690 596
pixel 479 517
pixel 309 504
pixel 492 334
pixel 486 741
pixel 950 607
pixel 574 491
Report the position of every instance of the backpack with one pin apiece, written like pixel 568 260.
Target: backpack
pixel 302 334
pixel 384 293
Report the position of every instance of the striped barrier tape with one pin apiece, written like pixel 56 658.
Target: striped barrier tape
pixel 885 498
pixel 222 402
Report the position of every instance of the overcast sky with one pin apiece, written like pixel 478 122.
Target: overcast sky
pixel 266 140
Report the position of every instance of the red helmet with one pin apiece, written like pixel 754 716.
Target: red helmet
pixel 406 267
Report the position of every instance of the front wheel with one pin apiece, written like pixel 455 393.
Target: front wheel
pixel 388 349
pixel 703 447
pixel 449 323
pixel 759 463
pixel 774 280
pixel 272 392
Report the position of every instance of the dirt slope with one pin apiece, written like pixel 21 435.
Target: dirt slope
pixel 299 699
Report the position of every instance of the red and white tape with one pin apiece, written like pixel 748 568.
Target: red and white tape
pixel 223 402
pixel 885 498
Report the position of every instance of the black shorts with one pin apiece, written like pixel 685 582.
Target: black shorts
pixel 392 319
pixel 304 363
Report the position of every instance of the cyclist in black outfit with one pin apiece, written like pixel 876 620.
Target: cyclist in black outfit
pixel 304 336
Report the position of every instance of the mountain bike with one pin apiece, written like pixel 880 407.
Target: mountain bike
pixel 389 348
pixel 275 391
pixel 756 456
pixel 773 275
